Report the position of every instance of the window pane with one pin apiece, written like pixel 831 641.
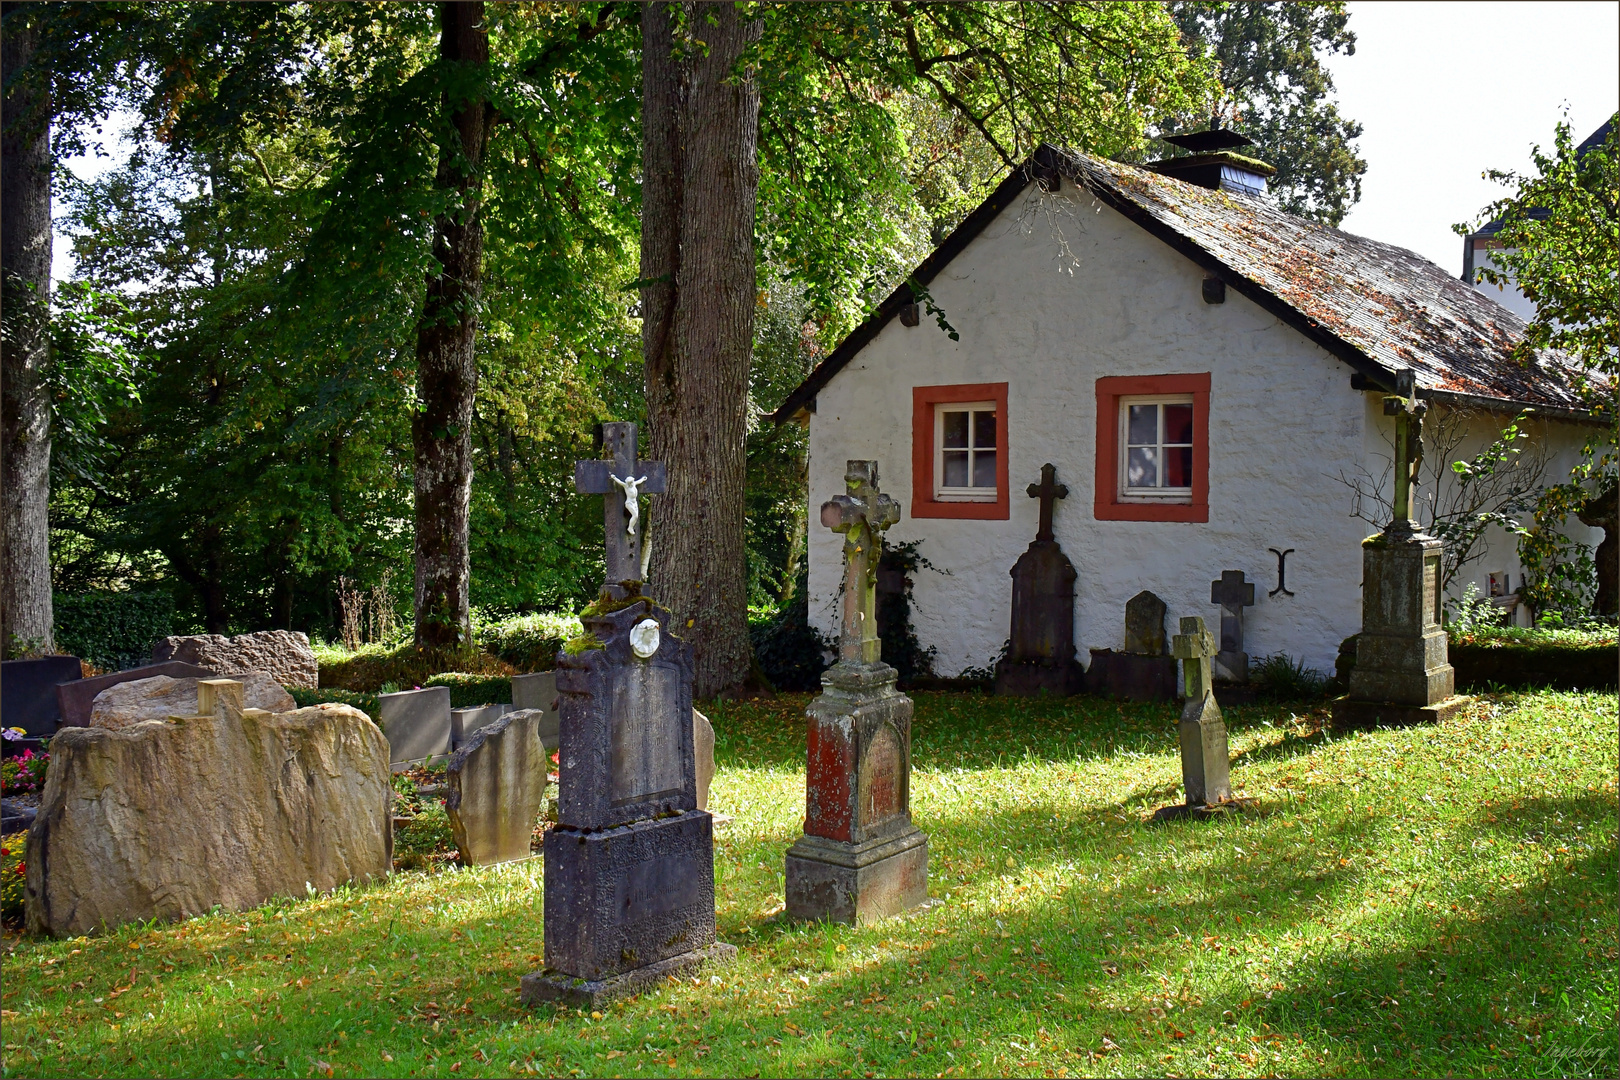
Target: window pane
pixel 984 429
pixel 956 428
pixel 1178 424
pixel 1177 466
pixel 1143 468
pixel 984 468
pixel 1144 425
pixel 956 463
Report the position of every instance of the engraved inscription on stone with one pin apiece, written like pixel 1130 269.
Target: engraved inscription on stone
pixel 659 886
pixel 1431 588
pixel 880 791
pixel 646 733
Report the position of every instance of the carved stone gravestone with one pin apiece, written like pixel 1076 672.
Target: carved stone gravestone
pixel 1402 674
pixel 1233 594
pixel 28 692
pixel 1142 672
pixel 416 724
pixel 1205 759
pixel 629 867
pixel 1040 652
pixel 497 781
pixel 860 858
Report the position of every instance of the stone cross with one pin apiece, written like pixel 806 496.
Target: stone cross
pixel 1195 647
pixel 1046 491
pixel 622 479
pixel 862 515
pixel 1408 412
pixel 1233 594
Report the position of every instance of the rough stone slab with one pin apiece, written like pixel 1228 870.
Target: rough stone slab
pixel 416 724
pixel 76 699
pixel 28 691
pixel 538 690
pixel 497 782
pixel 703 754
pixel 847 883
pixel 550 986
pixel 166 819
pixel 463 722
pixel 1352 715
pixel 284 654
pixel 125 704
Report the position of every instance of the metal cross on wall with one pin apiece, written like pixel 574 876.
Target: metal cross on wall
pixel 1046 491
pixel 862 515
pixel 622 480
pixel 1233 594
pixel 1408 412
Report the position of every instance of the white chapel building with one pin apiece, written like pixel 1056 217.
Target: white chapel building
pixel 1200 367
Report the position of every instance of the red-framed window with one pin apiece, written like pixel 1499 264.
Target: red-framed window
pixel 1153 448
pixel 959 451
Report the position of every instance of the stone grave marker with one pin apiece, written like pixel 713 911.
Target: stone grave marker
pixel 629 866
pixel 1402 674
pixel 860 859
pixel 497 781
pixel 1233 594
pixel 538 691
pixel 1040 652
pixel 1205 759
pixel 463 722
pixel 703 757
pixel 76 699
pixel 1142 672
pixel 416 723
pixel 28 693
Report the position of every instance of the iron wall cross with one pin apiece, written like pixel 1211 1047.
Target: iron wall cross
pixel 622 480
pixel 1233 594
pixel 1282 572
pixel 1046 491
pixel 861 515
pixel 1408 412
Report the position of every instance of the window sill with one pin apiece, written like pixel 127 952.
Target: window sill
pixel 983 511
pixel 1152 510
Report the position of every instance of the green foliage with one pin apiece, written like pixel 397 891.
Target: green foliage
pixel 900 646
pixel 113 630
pixel 374 666
pixel 527 642
pixel 426 839
pixel 468 691
pixel 13 877
pixel 366 703
pixel 790 651
pixel 1472 613
pixel 91 373
pixel 24 773
pixel 1280 677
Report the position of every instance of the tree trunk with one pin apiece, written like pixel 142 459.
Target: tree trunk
pixel 700 173
pixel 26 623
pixel 446 366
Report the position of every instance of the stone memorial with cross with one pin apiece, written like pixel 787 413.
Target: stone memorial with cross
pixel 1233 594
pixel 622 479
pixel 1205 760
pixel 1040 651
pixel 629 866
pixel 860 859
pixel 1402 674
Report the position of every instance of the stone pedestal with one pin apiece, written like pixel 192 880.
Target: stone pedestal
pixel 861 859
pixel 1401 674
pixel 1206 768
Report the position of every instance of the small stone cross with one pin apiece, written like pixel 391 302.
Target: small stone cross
pixel 1046 491
pixel 1194 647
pixel 1408 412
pixel 1233 594
pixel 862 515
pixel 622 479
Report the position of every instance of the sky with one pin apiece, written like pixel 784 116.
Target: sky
pixel 1444 91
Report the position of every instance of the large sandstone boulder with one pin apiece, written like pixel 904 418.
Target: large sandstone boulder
pixel 160 697
pixel 168 818
pixel 497 780
pixel 283 654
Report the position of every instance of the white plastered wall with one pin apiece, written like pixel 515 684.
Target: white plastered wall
pixel 1057 292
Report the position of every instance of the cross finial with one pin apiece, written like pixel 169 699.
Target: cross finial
pixel 622 479
pixel 1408 412
pixel 1046 491
pixel 861 515
pixel 1193 647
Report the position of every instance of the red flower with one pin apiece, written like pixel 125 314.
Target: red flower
pixel 22 868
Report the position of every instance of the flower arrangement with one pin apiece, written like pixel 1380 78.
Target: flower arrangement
pixel 23 773
pixel 13 875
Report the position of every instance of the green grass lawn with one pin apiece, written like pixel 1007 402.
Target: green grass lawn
pixel 1425 901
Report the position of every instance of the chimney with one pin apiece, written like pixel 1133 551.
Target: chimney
pixel 1214 164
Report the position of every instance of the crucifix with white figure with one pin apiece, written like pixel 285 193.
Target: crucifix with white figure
pixel 862 515
pixel 1408 412
pixel 621 479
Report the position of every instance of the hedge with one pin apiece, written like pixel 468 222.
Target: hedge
pixel 469 690
pixel 1480 665
pixel 113 630
pixel 366 703
pixel 403 667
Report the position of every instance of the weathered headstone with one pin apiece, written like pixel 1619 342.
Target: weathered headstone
pixel 171 817
pixel 538 691
pixel 416 723
pixel 1040 652
pixel 76 699
pixel 860 859
pixel 1205 759
pixel 123 705
pixel 463 722
pixel 629 866
pixel 497 781
pixel 703 756
pixel 1401 674
pixel 1142 672
pixel 284 654
pixel 28 692
pixel 1233 594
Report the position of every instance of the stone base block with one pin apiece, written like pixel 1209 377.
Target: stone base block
pixel 543 986
pixel 1030 679
pixel 1352 715
pixel 1132 677
pixel 856 883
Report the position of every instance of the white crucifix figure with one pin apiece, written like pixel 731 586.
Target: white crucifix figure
pixel 632 499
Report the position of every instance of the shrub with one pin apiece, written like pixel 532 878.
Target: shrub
pixel 1282 678
pixel 13 875
pixel 113 630
pixel 371 667
pixel 527 642
pixel 790 651
pixel 469 690
pixel 426 836
pixel 366 703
